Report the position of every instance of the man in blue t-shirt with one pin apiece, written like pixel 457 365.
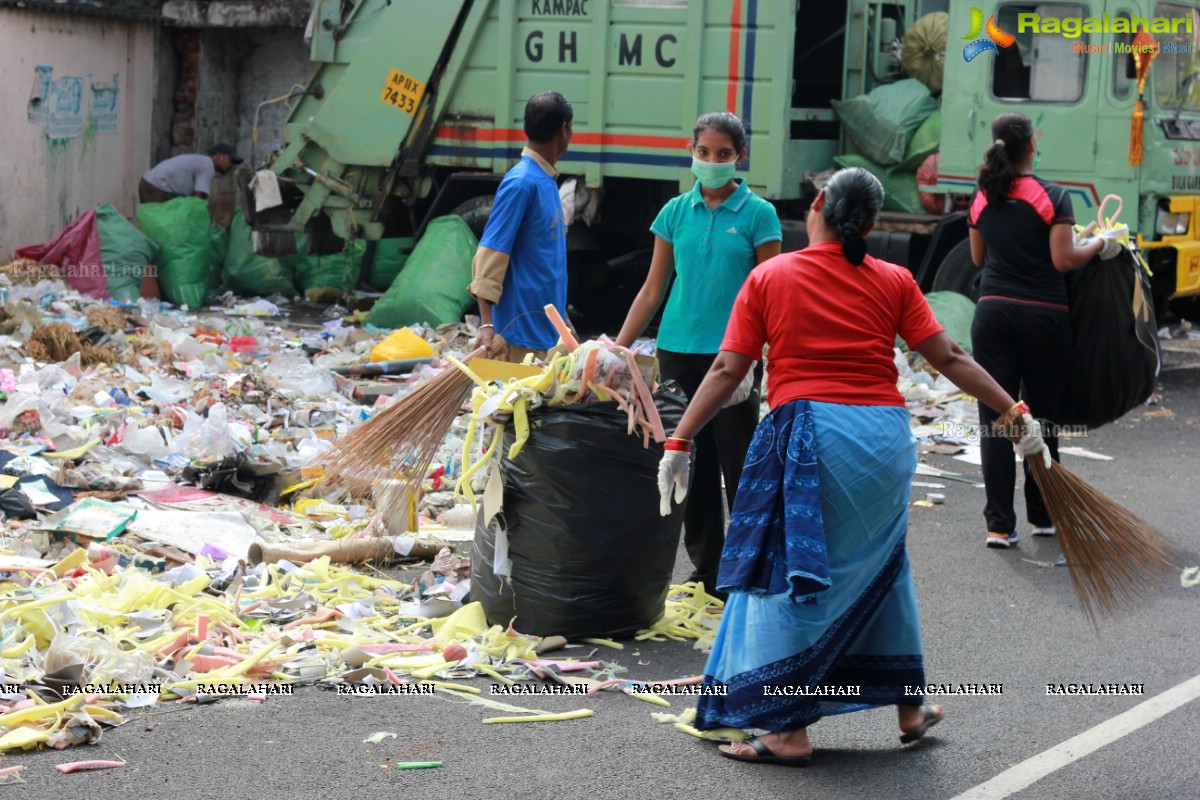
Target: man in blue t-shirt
pixel 521 264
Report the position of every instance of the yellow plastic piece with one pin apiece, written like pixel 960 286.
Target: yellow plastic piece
pixel 732 734
pixel 75 453
pixel 605 643
pixel 467 621
pixel 77 557
pixel 38 712
pixel 457 687
pixel 24 738
pixel 648 697
pixel 400 345
pixel 520 427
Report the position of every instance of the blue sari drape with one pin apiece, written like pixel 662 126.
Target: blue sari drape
pixel 820 589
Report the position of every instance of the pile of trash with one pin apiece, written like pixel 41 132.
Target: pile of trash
pixel 157 547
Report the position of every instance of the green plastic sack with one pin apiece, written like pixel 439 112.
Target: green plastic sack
pixel 881 123
pixel 923 54
pixel 899 186
pixel 925 142
pixel 125 252
pixel 432 287
pixel 338 271
pixel 390 256
pixel 181 228
pixel 247 273
pixel 954 312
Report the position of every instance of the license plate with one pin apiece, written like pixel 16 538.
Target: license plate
pixel 403 91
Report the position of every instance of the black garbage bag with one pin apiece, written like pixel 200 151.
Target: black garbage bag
pixel 1116 360
pixel 591 556
pixel 240 476
pixel 16 505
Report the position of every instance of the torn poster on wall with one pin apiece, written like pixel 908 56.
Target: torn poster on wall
pixel 102 111
pixel 57 104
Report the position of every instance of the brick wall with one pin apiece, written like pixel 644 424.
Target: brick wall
pixel 186 44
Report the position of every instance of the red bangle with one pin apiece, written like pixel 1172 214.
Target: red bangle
pixel 678 446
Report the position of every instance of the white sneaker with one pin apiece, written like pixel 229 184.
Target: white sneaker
pixel 1048 531
pixel 1002 539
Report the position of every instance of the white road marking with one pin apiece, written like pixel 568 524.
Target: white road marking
pixel 1028 772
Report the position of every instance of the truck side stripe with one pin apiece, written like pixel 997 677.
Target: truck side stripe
pixel 605 157
pixel 735 43
pixel 748 90
pixel 467 134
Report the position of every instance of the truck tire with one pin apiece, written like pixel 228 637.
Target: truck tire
pixel 475 212
pixel 958 272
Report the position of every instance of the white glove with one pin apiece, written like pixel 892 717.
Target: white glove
pixel 674 470
pixel 1110 250
pixel 742 393
pixel 1031 443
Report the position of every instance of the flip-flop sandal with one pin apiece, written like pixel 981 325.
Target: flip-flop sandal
pixel 918 732
pixel 765 756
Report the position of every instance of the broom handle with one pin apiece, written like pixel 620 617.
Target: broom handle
pixel 399 367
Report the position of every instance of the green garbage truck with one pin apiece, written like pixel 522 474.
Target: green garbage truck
pixel 415 111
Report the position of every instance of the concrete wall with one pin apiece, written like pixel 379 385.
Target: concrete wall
pixel 276 60
pixel 77 95
pixel 238 69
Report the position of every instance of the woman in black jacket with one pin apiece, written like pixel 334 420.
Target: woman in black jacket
pixel 1022 234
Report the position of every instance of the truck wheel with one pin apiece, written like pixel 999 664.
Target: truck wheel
pixel 475 212
pixel 958 272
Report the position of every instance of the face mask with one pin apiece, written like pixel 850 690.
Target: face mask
pixel 1037 157
pixel 713 174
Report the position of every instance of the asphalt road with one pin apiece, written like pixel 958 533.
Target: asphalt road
pixel 988 617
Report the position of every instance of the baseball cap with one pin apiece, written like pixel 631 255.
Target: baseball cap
pixel 225 149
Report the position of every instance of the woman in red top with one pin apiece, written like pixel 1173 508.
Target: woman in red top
pixel 822 618
pixel 1022 234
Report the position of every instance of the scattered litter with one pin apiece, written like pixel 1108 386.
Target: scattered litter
pixel 376 738
pixel 418 764
pixel 1082 453
pixel 925 469
pixel 78 766
pixel 11 774
pixel 1190 577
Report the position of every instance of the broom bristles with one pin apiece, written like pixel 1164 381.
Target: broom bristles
pixel 1112 555
pixel 389 455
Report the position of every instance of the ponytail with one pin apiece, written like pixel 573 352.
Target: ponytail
pixel 1011 134
pixel 853 198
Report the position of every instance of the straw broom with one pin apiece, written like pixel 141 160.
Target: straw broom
pixel 1112 555
pixel 388 455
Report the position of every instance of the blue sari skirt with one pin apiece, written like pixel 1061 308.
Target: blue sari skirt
pixel 822 617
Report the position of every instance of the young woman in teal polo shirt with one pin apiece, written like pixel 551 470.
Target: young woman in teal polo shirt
pixel 710 238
